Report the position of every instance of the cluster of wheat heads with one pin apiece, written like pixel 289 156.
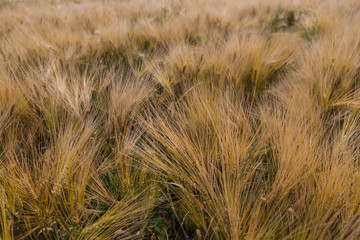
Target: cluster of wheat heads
pixel 179 119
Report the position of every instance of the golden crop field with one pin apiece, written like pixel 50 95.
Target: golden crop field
pixel 180 119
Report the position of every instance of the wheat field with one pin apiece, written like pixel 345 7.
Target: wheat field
pixel 180 119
